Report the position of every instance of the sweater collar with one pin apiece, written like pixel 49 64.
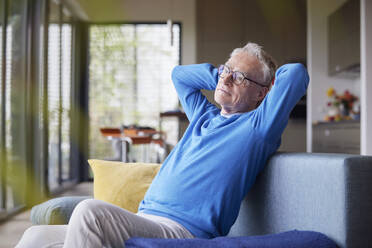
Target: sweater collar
pixel 230 115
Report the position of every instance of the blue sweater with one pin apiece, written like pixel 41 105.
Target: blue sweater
pixel 204 179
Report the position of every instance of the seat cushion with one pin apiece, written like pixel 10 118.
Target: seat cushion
pixel 295 239
pixel 122 184
pixel 56 211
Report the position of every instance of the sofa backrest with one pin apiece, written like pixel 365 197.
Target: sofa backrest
pixel 327 193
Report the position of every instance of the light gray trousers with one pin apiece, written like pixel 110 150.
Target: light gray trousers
pixel 95 223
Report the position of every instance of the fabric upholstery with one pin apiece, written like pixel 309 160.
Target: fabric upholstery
pixel 122 184
pixel 56 211
pixel 297 239
pixel 327 193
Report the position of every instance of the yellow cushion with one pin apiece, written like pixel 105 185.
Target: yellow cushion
pixel 122 184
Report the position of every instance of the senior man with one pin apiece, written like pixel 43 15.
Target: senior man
pixel 200 186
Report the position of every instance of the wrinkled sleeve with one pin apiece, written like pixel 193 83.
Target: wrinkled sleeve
pixel 188 81
pixel 291 82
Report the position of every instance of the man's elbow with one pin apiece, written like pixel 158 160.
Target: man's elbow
pixel 296 71
pixel 177 70
pixel 301 71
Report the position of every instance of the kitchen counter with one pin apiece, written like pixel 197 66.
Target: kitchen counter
pixel 337 137
pixel 335 122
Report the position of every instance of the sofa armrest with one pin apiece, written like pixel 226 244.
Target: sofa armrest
pixel 327 193
pixel 56 211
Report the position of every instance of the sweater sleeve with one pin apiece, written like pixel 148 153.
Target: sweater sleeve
pixel 188 81
pixel 291 81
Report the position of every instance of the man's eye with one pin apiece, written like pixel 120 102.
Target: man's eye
pixel 239 77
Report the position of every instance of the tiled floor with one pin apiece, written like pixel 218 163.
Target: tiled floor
pixel 12 230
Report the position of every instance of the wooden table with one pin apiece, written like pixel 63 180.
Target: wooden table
pixel 131 136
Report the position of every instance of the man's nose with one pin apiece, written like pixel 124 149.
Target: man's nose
pixel 228 79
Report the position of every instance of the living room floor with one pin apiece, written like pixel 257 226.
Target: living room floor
pixel 11 230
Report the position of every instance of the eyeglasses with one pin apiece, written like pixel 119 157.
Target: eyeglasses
pixel 237 76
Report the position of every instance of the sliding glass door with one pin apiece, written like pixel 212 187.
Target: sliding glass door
pixel 36 43
pixel 54 99
pixel 13 104
pixel 66 85
pixel 60 38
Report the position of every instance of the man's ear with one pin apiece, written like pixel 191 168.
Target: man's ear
pixel 262 93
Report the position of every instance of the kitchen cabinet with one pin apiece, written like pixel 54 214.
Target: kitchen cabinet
pixel 344 40
pixel 337 137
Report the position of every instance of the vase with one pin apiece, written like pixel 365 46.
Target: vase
pixel 344 111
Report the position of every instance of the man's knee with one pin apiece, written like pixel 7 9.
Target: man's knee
pixel 86 206
pixel 89 209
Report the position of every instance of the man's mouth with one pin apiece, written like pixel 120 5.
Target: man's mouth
pixel 223 91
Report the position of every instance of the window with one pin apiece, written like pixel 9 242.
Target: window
pixel 13 105
pixel 130 78
pixel 36 43
pixel 59 95
pixel 66 82
pixel 54 78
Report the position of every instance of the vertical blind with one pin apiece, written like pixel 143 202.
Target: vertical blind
pixel 66 98
pixel 35 97
pixel 59 94
pixel 53 102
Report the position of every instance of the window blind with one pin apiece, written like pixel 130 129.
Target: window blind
pixel 54 54
pixel 66 98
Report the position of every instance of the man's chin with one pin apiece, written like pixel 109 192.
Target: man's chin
pixel 220 100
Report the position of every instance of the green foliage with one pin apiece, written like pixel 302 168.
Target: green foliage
pixel 125 62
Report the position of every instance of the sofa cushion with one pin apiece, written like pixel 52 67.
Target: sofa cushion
pixel 56 211
pixel 122 184
pixel 298 239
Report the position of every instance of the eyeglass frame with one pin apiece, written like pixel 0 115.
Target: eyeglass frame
pixel 234 77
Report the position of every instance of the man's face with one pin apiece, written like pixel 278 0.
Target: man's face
pixel 244 97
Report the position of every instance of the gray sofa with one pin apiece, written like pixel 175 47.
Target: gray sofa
pixel 327 193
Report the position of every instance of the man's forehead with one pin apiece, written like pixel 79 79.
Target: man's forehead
pixel 243 62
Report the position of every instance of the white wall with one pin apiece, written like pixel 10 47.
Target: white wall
pixel 317 61
pixel 366 77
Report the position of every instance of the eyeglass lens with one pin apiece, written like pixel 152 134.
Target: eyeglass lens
pixel 236 76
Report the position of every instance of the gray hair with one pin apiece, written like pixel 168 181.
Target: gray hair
pixel 268 63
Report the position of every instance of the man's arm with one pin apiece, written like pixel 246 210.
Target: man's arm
pixel 189 80
pixel 291 81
